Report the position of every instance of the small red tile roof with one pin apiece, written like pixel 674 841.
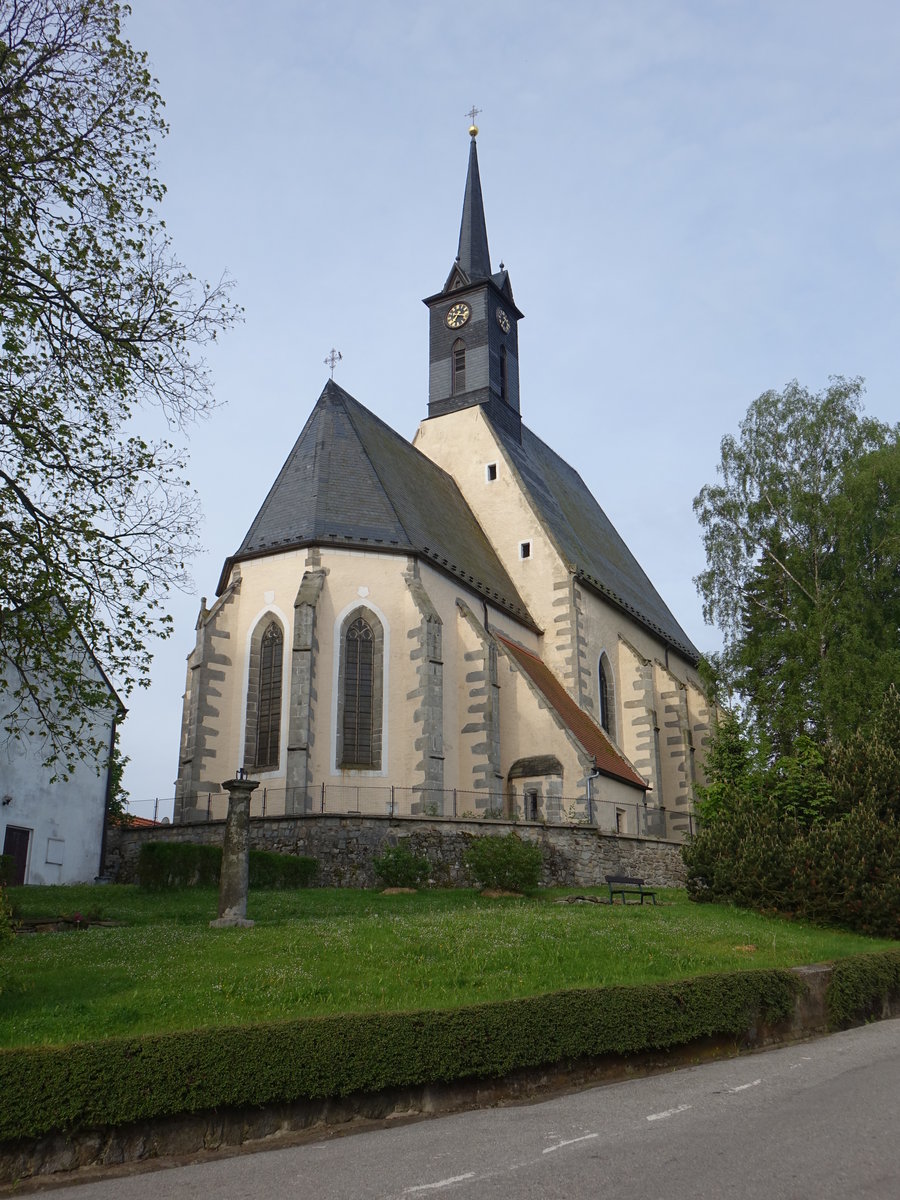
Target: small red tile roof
pixel 591 736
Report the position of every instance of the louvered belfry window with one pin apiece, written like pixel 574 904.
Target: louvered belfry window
pixel 268 728
pixel 458 367
pixel 359 677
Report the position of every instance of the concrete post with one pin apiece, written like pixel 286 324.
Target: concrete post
pixel 234 877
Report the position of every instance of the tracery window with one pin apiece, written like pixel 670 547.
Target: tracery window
pixel 360 689
pixel 262 731
pixel 268 727
pixel 358 685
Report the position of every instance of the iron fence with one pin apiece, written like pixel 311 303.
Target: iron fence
pixel 628 819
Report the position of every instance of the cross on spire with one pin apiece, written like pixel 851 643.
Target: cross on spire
pixel 472 114
pixel 333 359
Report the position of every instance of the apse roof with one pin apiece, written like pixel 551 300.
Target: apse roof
pixel 587 538
pixel 586 731
pixel 351 481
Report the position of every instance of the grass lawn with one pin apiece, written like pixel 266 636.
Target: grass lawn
pixel 319 950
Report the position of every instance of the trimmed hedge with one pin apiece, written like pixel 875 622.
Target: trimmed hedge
pixel 177 865
pixel 185 864
pixel 270 872
pixel 861 987
pixel 121 1080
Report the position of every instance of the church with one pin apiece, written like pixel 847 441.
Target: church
pixel 450 627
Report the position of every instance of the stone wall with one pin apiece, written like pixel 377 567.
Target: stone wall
pixel 344 846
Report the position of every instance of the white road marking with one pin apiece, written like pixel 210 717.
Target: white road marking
pixel 571 1142
pixel 670 1112
pixel 743 1086
pixel 441 1183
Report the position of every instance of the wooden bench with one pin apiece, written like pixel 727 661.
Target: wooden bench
pixel 627 885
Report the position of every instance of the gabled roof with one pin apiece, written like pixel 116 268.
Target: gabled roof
pixel 351 481
pixel 587 539
pixel 587 732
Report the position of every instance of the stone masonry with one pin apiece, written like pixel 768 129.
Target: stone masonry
pixel 345 846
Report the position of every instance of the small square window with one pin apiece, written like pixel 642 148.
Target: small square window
pixel 524 549
pixel 55 847
pixel 491 472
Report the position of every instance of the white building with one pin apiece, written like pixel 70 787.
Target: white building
pixel 53 830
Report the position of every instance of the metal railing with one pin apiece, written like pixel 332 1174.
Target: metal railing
pixel 454 804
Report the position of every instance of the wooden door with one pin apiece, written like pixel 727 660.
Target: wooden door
pixel 15 844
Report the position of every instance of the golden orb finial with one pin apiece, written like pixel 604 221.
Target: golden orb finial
pixel 473 131
pixel 472 114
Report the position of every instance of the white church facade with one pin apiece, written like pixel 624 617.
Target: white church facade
pixel 448 627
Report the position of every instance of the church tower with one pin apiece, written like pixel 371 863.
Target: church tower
pixel 474 342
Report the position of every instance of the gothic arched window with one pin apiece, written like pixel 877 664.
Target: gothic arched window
pixel 262 734
pixel 607 719
pixel 458 366
pixel 360 692
pixel 268 729
pixel 504 374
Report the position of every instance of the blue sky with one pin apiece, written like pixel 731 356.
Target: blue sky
pixel 696 202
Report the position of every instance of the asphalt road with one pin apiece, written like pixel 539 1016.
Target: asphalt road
pixel 814 1121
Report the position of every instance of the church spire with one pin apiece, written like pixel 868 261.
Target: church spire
pixel 473 339
pixel 473 257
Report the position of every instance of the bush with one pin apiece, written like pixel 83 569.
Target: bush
pixel 842 872
pixel 506 863
pixel 399 867
pixel 184 864
pixel 6 929
pixel 7 870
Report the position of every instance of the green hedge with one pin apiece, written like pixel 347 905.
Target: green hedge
pixel 121 1080
pixel 861 986
pixel 272 871
pixel 185 864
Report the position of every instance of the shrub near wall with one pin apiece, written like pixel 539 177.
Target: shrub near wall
pixel 506 863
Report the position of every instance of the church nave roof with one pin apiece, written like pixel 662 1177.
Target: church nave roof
pixel 350 480
pixel 587 538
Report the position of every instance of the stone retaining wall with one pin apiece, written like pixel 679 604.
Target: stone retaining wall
pixel 344 846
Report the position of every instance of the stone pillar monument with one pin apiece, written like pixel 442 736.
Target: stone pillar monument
pixel 234 877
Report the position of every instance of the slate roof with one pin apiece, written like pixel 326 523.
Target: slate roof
pixel 586 731
pixel 351 481
pixel 588 540
pixel 473 254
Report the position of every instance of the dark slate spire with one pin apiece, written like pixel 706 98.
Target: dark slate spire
pixel 474 256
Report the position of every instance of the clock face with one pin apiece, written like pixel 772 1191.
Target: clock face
pixel 503 320
pixel 458 315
